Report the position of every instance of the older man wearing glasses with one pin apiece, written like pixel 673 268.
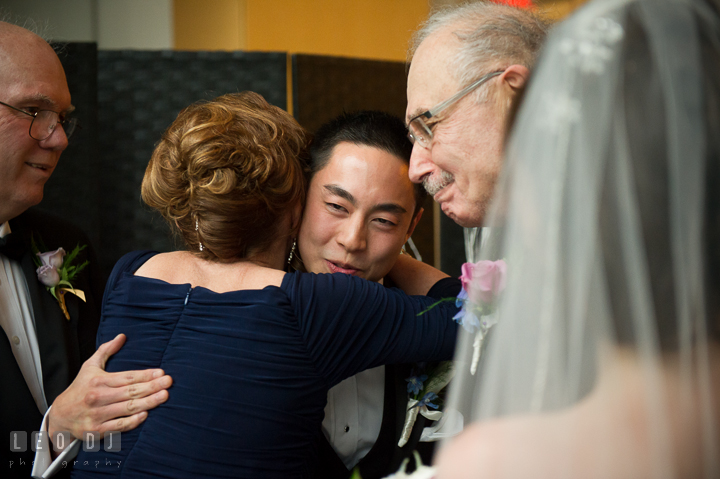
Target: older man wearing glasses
pixel 468 65
pixel 44 342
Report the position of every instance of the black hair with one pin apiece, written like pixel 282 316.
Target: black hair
pixel 376 129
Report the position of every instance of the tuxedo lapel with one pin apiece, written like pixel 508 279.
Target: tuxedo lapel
pixel 55 335
pixel 330 466
pixel 386 456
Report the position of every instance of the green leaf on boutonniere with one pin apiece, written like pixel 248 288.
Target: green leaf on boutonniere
pixel 56 271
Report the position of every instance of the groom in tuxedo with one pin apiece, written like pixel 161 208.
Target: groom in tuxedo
pixel 361 209
pixel 42 346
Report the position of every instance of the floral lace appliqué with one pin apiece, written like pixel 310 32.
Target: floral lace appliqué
pixel 590 48
pixel 560 109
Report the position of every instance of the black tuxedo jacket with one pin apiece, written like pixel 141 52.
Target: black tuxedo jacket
pixel 385 456
pixel 63 344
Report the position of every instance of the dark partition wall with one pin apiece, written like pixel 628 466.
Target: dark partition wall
pixel 73 191
pixel 137 95
pixel 324 87
pixel 452 246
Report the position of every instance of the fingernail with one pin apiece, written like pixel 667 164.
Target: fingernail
pixel 158 373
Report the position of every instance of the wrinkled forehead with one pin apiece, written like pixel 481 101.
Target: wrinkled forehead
pixel 430 79
pixel 31 71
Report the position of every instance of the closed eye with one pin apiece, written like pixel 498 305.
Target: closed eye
pixel 385 222
pixel 336 207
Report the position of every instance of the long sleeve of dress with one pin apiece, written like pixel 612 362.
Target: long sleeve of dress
pixel 350 324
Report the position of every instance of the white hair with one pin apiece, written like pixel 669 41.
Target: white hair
pixel 492 37
pixel 41 29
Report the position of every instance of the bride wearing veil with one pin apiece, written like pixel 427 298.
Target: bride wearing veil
pixel 605 359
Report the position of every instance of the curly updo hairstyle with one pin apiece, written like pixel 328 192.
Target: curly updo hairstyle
pixel 225 173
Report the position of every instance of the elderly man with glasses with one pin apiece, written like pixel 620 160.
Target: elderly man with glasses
pixel 47 334
pixel 468 65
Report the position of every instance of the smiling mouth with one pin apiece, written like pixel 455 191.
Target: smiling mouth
pixel 341 268
pixel 38 167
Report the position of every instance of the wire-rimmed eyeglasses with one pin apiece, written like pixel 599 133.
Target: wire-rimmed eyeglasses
pixel 420 132
pixel 44 123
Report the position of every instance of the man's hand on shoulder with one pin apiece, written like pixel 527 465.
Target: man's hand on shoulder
pixel 100 401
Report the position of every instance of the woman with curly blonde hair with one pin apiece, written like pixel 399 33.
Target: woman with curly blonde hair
pixel 252 350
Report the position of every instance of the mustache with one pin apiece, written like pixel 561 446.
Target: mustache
pixel 435 183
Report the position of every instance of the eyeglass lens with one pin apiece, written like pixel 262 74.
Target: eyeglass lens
pixel 45 123
pixel 418 131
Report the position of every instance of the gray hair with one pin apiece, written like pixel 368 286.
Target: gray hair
pixel 41 29
pixel 492 37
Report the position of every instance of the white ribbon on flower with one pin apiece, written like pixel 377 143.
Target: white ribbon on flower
pixel 440 378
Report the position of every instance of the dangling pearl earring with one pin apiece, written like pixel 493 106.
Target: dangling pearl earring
pixel 197 227
pixel 292 250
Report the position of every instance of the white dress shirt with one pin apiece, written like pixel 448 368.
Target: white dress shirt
pixel 353 415
pixel 18 322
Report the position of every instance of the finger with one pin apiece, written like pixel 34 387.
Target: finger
pixel 124 424
pixel 124 415
pixel 110 396
pixel 126 378
pixel 105 351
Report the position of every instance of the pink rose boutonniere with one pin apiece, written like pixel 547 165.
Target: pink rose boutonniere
pixel 482 283
pixel 56 272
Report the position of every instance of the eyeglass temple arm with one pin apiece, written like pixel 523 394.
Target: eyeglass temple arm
pixel 460 94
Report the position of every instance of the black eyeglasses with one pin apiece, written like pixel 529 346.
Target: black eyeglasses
pixel 418 129
pixel 44 123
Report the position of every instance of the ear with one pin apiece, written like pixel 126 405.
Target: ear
pixel 515 77
pixel 414 223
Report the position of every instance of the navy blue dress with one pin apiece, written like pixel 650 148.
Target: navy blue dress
pixel 251 368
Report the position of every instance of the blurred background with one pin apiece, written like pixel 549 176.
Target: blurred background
pixel 372 29
pixel 132 65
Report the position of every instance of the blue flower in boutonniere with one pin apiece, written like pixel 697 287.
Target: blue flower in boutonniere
pixel 56 272
pixel 425 389
pixel 427 401
pixel 415 383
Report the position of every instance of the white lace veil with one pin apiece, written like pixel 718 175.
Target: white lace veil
pixel 605 355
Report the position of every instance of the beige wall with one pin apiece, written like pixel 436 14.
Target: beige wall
pixel 112 24
pixel 378 29
pixel 135 24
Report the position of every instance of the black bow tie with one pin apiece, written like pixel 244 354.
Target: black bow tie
pixel 13 246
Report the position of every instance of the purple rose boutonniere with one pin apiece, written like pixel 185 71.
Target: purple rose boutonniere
pixel 56 272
